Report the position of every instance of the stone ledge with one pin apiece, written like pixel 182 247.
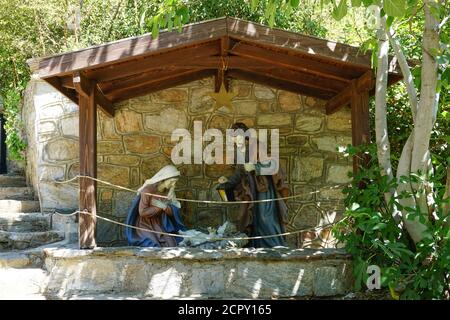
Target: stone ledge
pixel 177 273
pixel 278 254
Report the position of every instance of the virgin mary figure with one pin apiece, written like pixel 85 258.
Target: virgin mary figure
pixel 155 208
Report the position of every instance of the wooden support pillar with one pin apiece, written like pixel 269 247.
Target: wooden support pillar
pixel 360 123
pixel 88 160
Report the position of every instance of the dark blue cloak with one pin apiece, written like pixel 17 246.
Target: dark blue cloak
pixel 170 225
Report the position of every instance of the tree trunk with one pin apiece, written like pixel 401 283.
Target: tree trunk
pixel 406 72
pixel 427 110
pixel 424 121
pixel 381 128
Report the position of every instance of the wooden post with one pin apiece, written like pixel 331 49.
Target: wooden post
pixel 88 160
pixel 360 122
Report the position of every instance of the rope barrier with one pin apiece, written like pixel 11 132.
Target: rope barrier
pixel 194 200
pixel 196 237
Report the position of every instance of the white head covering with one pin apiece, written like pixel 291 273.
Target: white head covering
pixel 165 173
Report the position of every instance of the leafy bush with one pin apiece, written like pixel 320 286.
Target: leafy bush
pixel 13 125
pixel 373 237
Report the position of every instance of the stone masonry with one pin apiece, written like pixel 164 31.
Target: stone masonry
pixel 134 144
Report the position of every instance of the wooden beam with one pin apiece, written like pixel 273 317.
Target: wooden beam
pixel 360 123
pixel 56 83
pixel 222 65
pixel 302 79
pixel 296 62
pixel 105 105
pixel 290 40
pixel 148 88
pixel 114 92
pixel 168 61
pixel 336 53
pixel 364 83
pixel 131 48
pixel 67 82
pixel 279 84
pixel 123 84
pixel 308 82
pixel 83 86
pixel 88 162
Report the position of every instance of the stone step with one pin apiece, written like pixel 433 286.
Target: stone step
pixel 22 259
pixel 25 240
pixel 24 222
pixel 22 284
pixel 16 193
pixel 14 206
pixel 12 181
pixel 30 258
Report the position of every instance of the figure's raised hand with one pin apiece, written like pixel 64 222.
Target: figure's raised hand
pixel 249 167
pixel 223 179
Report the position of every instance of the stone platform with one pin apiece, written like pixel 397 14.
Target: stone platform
pixel 173 273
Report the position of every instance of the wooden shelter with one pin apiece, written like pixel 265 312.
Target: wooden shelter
pixel 225 48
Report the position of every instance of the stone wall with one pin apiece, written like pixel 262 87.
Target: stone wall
pixel 169 273
pixel 134 144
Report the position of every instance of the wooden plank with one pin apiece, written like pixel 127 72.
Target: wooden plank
pixel 160 85
pixel 88 165
pixel 121 85
pixel 308 80
pixel 304 80
pixel 56 83
pixel 310 45
pixel 167 61
pixel 364 83
pixel 298 62
pixel 360 123
pixel 332 51
pixel 279 84
pixel 130 48
pixel 115 92
pixel 138 47
pixel 83 86
pixel 105 105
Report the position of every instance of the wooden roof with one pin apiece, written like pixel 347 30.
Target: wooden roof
pixel 246 50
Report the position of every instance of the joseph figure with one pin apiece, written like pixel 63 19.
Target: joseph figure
pixel 247 183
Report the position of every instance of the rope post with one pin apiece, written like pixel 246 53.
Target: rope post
pixel 88 160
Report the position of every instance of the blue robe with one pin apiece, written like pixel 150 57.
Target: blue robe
pixel 170 225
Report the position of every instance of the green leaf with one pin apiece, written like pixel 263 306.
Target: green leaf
pixel 295 3
pixel 356 3
pixel 340 11
pixel 155 29
pixel 389 21
pixel 254 4
pixel 395 8
pixel 380 226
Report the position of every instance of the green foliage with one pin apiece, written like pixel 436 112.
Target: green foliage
pixel 394 8
pixel 373 237
pixel 13 125
pixel 340 10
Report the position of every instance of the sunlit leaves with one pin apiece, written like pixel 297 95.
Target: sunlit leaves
pixel 394 8
pixel 340 10
pixel 254 4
